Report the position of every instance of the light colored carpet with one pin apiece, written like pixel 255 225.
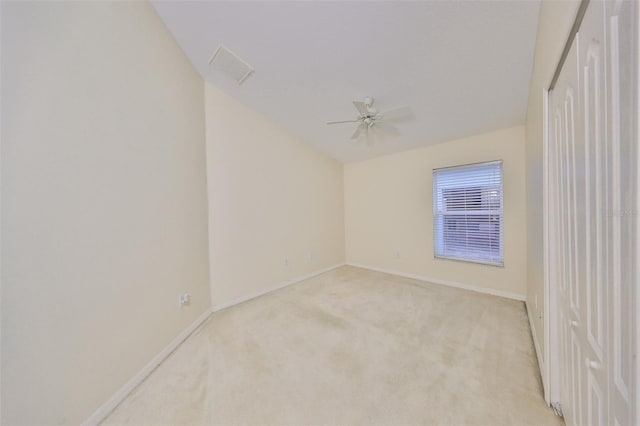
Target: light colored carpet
pixel 351 347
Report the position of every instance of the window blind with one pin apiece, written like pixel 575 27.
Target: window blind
pixel 468 215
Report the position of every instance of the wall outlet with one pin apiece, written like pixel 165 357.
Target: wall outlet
pixel 396 254
pixel 286 262
pixel 310 256
pixel 536 301
pixel 184 299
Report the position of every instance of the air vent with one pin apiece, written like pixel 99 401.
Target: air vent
pixel 230 64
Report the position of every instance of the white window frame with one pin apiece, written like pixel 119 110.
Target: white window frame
pixel 438 237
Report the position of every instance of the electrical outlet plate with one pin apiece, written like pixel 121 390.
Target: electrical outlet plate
pixel 184 299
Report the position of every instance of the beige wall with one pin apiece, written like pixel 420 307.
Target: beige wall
pixel 104 201
pixel 275 203
pixel 389 211
pixel 104 217
pixel 555 21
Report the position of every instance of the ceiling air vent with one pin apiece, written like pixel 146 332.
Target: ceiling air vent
pixel 230 64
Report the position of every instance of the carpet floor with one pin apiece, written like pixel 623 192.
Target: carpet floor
pixel 355 347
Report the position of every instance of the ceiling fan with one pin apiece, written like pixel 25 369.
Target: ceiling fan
pixel 369 118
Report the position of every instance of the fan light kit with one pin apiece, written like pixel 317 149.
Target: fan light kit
pixel 369 118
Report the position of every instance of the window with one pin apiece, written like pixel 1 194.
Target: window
pixel 467 213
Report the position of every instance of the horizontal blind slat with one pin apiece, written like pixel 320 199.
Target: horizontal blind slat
pixel 468 212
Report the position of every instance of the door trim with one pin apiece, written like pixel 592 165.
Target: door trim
pixel 577 21
pixel 636 382
pixel 550 396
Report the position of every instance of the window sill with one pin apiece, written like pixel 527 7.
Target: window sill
pixel 477 262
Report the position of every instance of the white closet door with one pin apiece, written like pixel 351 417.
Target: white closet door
pixel 592 166
pixel 567 131
pixel 597 192
pixel 621 134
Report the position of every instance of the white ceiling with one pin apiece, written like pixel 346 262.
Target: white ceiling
pixel 462 66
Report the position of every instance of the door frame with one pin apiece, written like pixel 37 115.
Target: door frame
pixel 635 331
pixel 550 375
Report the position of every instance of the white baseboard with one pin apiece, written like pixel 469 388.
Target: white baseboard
pixel 101 413
pixel 477 289
pixel 233 302
pixel 541 365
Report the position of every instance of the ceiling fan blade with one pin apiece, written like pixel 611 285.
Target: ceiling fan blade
pixel 358 130
pixel 372 137
pixel 343 121
pixel 361 107
pixel 388 128
pixel 402 113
